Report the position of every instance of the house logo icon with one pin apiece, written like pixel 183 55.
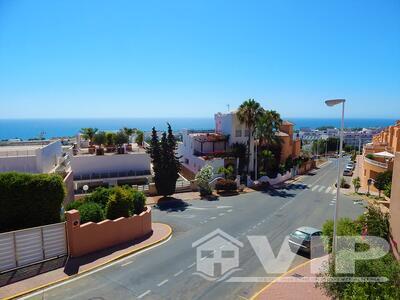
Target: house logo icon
pixel 217 255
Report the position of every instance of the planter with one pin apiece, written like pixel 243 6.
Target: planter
pixel 92 150
pixel 121 150
pixel 110 148
pixel 100 151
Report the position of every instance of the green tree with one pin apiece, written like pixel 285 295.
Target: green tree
pixel 100 138
pixel 356 184
pixel 249 113
pixel 203 178
pixel 110 138
pixel 382 180
pixel 88 133
pixel 268 124
pixel 139 137
pixel 121 138
pixel 119 204
pixel 239 151
pixel 268 159
pixel 166 165
pixel 128 131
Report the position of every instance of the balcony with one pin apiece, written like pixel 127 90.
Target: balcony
pixel 376 163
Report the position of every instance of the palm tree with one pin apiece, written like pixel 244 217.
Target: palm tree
pixel 268 157
pixel 267 126
pixel 249 113
pixel 128 131
pixel 88 133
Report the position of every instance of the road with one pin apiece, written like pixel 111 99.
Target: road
pixel 166 271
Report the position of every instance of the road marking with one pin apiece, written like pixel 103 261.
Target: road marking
pixel 127 263
pixel 162 282
pixel 309 185
pixel 178 273
pixel 321 188
pixel 331 203
pixel 315 187
pixel 229 210
pixel 192 265
pixel 144 294
pixel 213 218
pixel 328 189
pixel 221 214
pixel 259 224
pixel 255 226
pixel 333 191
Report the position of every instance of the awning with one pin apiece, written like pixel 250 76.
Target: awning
pixel 384 154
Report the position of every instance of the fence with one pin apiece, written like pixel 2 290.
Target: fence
pixel 28 246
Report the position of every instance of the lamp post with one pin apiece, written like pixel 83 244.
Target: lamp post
pixel 334 102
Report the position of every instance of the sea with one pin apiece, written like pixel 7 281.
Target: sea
pixel 50 128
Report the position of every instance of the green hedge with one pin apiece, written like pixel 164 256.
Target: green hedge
pixel 91 212
pixel 29 200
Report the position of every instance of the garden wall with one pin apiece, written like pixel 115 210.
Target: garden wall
pixel 90 237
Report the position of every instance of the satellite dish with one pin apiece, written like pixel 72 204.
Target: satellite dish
pixel 85 187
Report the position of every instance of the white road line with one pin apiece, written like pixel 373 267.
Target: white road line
pixel 321 188
pixel 221 214
pixel 309 185
pixel 229 210
pixel 144 294
pixel 213 218
pixel 315 187
pixel 127 263
pixel 178 273
pixel 162 282
pixel 331 203
pixel 259 224
pixel 328 189
pixel 333 191
pixel 192 265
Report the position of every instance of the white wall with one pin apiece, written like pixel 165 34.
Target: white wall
pixel 88 164
pixel 25 164
pixel 47 156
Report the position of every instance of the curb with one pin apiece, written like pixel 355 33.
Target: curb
pixel 166 237
pixel 277 278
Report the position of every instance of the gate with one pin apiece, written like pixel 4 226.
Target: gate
pixel 28 246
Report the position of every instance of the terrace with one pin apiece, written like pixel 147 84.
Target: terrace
pixel 209 144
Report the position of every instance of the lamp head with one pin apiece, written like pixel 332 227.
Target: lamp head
pixel 333 102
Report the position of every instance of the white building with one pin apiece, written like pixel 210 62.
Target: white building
pixel 33 157
pixel 111 168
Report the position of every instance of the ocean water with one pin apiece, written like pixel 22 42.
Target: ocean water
pixel 30 128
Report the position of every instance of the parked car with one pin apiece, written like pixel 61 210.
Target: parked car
pixel 350 165
pixel 300 239
pixel 348 172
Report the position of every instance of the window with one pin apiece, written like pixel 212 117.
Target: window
pixel 246 133
pixel 238 133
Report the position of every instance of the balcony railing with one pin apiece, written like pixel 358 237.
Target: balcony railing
pixel 111 175
pixel 376 163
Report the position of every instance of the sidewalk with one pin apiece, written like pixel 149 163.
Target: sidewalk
pixel 297 289
pixel 19 282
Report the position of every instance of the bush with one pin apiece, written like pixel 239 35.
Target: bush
pixel 90 212
pixel 203 178
pixel 225 185
pixel 388 190
pixel 382 180
pixel 139 202
pixel 370 156
pixel 120 204
pixel 74 205
pixel 29 200
pixel 356 184
pixel 100 196
pixel 345 226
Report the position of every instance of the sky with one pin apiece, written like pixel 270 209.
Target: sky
pixel 92 58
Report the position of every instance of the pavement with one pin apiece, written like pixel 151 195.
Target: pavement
pixel 170 271
pixel 295 284
pixel 55 271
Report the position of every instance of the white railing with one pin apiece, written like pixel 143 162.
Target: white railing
pixel 376 163
pixel 17 153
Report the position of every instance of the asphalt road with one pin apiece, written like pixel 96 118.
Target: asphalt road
pixel 166 271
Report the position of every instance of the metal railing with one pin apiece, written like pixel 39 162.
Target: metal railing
pixel 106 175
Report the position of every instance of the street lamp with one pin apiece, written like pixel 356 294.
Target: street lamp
pixel 334 102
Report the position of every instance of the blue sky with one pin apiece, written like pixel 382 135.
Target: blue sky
pixel 191 58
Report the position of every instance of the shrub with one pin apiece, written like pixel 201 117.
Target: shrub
pixel 90 212
pixel 74 205
pixel 388 190
pixel 119 204
pixel 203 177
pixel 225 185
pixel 139 202
pixel 370 156
pixel 100 196
pixel 356 184
pixel 29 200
pixel 345 226
pixel 382 180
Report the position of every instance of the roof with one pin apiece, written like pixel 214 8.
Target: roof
pixel 384 154
pixel 285 122
pixel 217 232
pixel 281 133
pixel 309 230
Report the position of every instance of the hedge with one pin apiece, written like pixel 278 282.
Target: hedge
pixel 119 204
pixel 91 212
pixel 29 200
